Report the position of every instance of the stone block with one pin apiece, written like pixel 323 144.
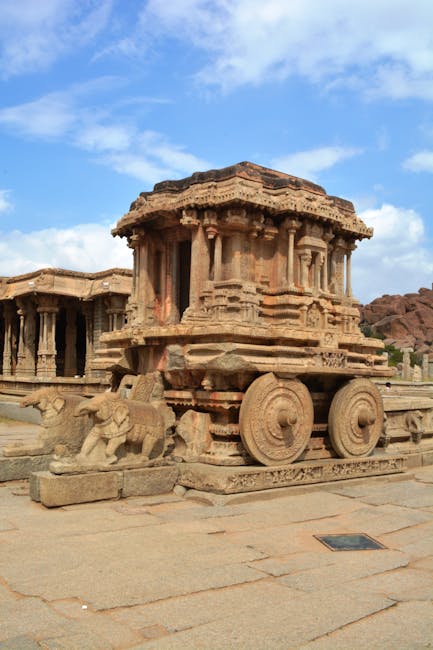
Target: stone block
pixel 60 490
pixel 148 481
pixel 413 460
pixel 427 458
pixel 231 480
pixel 34 483
pixel 19 467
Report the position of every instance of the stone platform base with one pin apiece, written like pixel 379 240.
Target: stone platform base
pixel 65 489
pixel 13 468
pixel 231 480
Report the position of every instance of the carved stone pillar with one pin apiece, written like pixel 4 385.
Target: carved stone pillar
pixel 425 368
pixel 140 279
pixel 199 265
pixel 115 312
pixel 305 259
pixel 406 371
pixel 236 242
pixel 191 221
pixel 173 282
pixel 26 341
pixel 88 308
pixel 318 265
pixel 292 227
pixel 327 237
pixel 350 248
pixel 337 267
pixel 218 258
pixel 71 342
pixel 8 314
pixel 47 310
pixel 21 353
pixel 131 306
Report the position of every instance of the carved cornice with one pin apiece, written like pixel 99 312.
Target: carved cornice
pixel 245 185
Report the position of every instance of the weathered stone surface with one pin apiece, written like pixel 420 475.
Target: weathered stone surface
pixel 19 467
pixel 266 624
pixel 254 291
pixel 427 458
pixel 195 609
pixel 402 584
pixel 149 481
pixel 19 643
pixel 54 300
pixel 61 429
pixel 59 490
pixel 175 573
pixel 352 564
pixel 406 626
pixel 405 321
pixel 240 479
pixel 144 425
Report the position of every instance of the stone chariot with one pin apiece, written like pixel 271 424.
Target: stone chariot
pixel 242 301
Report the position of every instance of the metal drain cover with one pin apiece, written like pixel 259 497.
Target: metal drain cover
pixel 353 542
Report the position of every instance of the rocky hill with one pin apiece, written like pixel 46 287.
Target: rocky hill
pixel 405 321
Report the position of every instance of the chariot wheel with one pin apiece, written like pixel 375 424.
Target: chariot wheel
pixel 355 418
pixel 276 419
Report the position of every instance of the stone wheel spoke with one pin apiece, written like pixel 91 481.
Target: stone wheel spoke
pixel 355 418
pixel 276 419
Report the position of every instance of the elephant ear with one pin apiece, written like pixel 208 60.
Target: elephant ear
pixel 58 403
pixel 120 414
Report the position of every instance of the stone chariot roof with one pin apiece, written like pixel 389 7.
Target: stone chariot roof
pixel 244 184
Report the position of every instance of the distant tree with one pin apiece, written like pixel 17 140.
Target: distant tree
pixel 370 332
pixel 395 355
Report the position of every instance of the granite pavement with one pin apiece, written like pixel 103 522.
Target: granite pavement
pixel 186 570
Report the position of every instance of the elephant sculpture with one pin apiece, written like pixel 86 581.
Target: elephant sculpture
pixel 60 431
pixel 118 421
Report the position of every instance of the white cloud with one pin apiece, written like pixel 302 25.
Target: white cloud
pixel 152 158
pixel 115 142
pixel 5 203
pixel 384 46
pixel 307 164
pixel 99 137
pixel 396 260
pixel 85 247
pixel 48 116
pixel 33 35
pixel 420 162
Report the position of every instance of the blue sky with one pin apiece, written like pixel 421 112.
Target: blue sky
pixel 101 99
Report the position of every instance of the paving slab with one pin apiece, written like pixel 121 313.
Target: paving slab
pixel 388 518
pixel 164 571
pixel 184 612
pixel 406 626
pixel 403 584
pixel 347 566
pixel 288 624
pixel 425 475
pixel 408 493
